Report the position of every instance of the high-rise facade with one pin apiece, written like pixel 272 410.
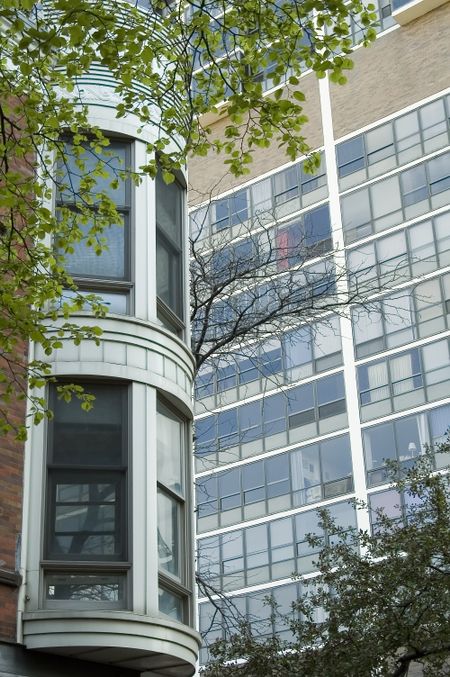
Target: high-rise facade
pixel 96 570
pixel 308 417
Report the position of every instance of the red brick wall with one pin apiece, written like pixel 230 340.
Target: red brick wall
pixel 11 491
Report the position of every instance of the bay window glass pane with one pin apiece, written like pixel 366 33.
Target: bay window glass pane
pixel 170 604
pixel 85 588
pixel 115 302
pixel 89 438
pixel 170 431
pixel 111 161
pixel 169 204
pixel 169 525
pixel 169 242
pixel 168 274
pixel 111 264
pixel 85 522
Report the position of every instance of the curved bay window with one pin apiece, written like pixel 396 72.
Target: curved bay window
pixel 85 554
pixel 169 251
pixel 172 523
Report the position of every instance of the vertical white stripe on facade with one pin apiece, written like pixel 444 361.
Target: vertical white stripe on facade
pixel 348 352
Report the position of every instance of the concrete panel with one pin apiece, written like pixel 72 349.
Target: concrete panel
pixel 208 176
pixel 398 70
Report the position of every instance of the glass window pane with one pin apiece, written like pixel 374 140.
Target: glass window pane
pixel 336 458
pixel 351 155
pixel 297 347
pixel 111 264
pixel 170 432
pixel 170 604
pixel 330 389
pixel 169 525
pixel 356 215
pixel 95 437
pixel 439 172
pixel 379 445
pixel 169 204
pixel 110 161
pixel 380 143
pixel 85 587
pixel 408 136
pixel 412 435
pixel 368 327
pixel 414 185
pixel 386 198
pixel 305 468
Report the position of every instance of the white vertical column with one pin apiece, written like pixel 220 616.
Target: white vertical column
pixel 342 289
pixel 143 235
pixel 143 498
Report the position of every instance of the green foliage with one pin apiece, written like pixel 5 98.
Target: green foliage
pixel 44 50
pixel 385 598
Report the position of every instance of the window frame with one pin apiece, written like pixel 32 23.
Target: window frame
pixel 96 284
pixel 100 565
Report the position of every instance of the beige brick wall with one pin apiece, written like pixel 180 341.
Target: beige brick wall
pixel 209 176
pixel 399 69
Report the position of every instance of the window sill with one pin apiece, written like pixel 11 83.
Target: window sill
pixel 415 9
